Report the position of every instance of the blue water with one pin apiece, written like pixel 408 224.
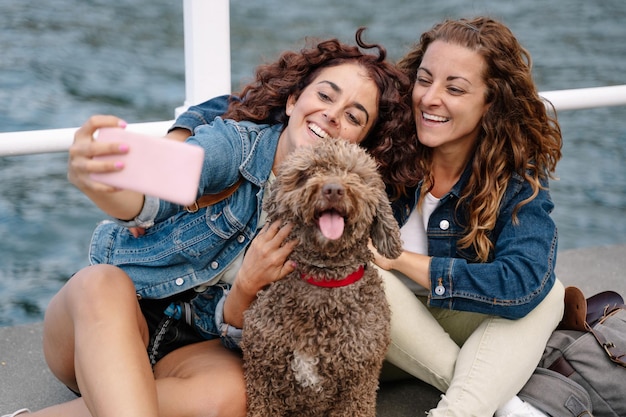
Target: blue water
pixel 63 60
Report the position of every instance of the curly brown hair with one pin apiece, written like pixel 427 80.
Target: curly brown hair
pixel 391 140
pixel 518 134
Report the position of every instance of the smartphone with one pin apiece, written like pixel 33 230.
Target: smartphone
pixel 160 167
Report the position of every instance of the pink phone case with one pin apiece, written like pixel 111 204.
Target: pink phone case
pixel 159 167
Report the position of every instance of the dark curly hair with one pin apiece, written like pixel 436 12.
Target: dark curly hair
pixel 391 140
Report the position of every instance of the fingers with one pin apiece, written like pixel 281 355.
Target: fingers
pixel 274 231
pixel 384 263
pixel 137 231
pixel 287 269
pixel 98 121
pixel 273 237
pixel 280 248
pixel 267 258
pixel 81 153
pixel 84 144
pixel 378 258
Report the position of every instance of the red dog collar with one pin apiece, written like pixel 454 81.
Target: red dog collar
pixel 352 278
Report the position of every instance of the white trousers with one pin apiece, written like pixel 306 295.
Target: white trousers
pixel 478 361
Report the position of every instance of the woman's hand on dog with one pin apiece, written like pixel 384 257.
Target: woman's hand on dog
pixel 413 265
pixel 380 260
pixel 266 261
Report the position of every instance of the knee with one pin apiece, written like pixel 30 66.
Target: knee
pixel 100 280
pixel 98 287
pixel 554 303
pixel 558 292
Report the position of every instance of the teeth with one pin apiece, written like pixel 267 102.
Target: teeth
pixel 319 131
pixel 434 118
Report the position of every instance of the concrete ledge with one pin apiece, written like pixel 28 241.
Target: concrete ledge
pixel 25 380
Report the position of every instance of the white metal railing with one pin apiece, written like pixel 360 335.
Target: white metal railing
pixel 207 74
pixel 586 98
pixel 59 140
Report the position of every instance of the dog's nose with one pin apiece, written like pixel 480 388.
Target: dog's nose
pixel 333 191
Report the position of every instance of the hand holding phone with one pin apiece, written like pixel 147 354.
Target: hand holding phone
pixel 154 166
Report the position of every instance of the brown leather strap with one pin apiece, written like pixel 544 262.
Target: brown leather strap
pixel 210 199
pixel 582 314
pixel 601 304
pixel 562 366
pixel 616 354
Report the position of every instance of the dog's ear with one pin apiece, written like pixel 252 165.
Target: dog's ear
pixel 269 203
pixel 385 232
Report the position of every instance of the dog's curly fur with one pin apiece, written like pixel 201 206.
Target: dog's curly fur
pixel 311 350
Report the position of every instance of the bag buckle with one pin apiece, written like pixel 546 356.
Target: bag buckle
pixel 193 208
pixel 615 355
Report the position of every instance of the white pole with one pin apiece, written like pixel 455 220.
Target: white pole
pixel 207 75
pixel 59 140
pixel 586 98
pixel 207 50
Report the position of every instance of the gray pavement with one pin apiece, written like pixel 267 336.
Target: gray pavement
pixel 25 380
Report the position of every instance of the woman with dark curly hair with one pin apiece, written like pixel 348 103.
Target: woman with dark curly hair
pixel 141 331
pixel 391 141
pixel 474 296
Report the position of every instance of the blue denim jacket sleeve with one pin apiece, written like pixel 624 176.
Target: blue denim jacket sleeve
pixel 223 149
pixel 146 217
pixel 194 116
pixel 229 335
pixel 202 114
pixel 520 271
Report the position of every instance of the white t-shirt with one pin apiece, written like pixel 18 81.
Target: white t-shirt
pixel 414 237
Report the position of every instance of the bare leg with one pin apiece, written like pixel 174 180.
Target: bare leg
pixel 95 337
pixel 202 379
pixel 74 408
pixel 199 380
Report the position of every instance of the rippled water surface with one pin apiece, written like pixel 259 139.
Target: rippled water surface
pixel 63 60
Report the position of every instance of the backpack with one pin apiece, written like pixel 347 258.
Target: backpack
pixel 583 369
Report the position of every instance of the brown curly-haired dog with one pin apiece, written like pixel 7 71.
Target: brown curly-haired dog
pixel 314 342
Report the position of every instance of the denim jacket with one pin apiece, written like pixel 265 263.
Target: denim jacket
pixel 520 270
pixel 182 250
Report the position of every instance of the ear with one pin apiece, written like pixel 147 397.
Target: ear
pixel 385 232
pixel 291 103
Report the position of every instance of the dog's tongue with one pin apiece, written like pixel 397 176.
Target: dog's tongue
pixel 331 225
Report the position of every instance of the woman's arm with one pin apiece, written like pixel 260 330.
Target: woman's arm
pixel 511 284
pixel 413 265
pixel 178 134
pixel 520 272
pixel 201 114
pixel 121 204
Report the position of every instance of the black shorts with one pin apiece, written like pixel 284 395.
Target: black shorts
pixel 166 333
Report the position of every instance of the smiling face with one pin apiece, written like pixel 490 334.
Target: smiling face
pixel 449 97
pixel 340 102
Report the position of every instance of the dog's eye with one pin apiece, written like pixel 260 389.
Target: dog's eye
pixel 303 176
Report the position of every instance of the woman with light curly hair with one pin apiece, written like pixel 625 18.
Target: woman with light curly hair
pixel 474 296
